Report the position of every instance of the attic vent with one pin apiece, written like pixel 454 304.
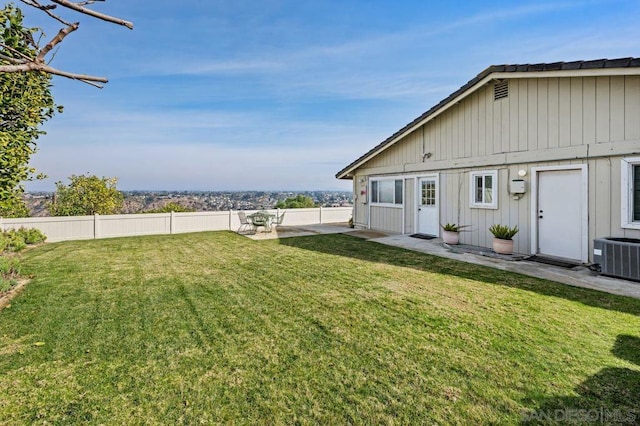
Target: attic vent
pixel 500 90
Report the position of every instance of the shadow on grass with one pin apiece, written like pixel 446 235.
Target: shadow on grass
pixel 627 348
pixel 345 245
pixel 611 396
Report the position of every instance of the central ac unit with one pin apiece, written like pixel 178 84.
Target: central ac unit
pixel 618 257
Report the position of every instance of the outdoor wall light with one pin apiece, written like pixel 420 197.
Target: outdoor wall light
pixel 522 172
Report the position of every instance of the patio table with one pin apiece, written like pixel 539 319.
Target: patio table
pixel 262 218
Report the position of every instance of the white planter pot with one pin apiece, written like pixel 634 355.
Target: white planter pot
pixel 502 246
pixel 450 237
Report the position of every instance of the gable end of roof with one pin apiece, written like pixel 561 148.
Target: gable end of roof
pixel 515 68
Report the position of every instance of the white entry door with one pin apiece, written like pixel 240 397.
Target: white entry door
pixel 428 206
pixel 560 213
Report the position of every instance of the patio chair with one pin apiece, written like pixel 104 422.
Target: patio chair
pixel 278 220
pixel 245 223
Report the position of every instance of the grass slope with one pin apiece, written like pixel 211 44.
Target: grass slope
pixel 214 327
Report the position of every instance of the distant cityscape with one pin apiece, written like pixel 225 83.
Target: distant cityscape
pixel 140 201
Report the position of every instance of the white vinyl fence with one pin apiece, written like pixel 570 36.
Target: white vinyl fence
pixel 67 228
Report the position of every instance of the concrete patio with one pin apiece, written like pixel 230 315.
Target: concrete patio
pixel 299 231
pixel 579 276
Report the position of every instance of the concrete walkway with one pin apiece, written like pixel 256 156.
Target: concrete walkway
pixel 578 277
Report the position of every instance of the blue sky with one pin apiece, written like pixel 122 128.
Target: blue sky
pixel 275 95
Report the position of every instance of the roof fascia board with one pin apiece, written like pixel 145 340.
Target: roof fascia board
pixel 595 72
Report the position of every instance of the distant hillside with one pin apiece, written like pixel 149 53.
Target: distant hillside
pixel 140 201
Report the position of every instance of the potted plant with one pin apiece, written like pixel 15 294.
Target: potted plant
pixel 451 233
pixel 503 241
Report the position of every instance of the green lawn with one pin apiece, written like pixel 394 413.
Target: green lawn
pixel 214 327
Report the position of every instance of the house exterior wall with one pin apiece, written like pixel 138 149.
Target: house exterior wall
pixel 543 122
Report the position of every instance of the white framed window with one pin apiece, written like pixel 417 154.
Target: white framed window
pixel 387 192
pixel 484 189
pixel 630 180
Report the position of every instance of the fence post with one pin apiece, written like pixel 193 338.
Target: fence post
pixel 96 226
pixel 171 222
pixel 230 211
pixel 320 215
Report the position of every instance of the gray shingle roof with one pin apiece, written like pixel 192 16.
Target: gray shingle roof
pixel 552 66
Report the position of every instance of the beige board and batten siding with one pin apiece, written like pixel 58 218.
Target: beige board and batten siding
pixel 388 219
pixel 409 205
pixel 543 122
pixel 604 202
pixel 539 117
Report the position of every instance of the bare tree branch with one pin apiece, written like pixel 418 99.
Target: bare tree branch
pixel 88 79
pixel 13 60
pixel 29 66
pixel 35 4
pixel 11 49
pixel 82 9
pixel 46 9
pixel 34 66
pixel 57 39
pixel 24 63
pixel 84 3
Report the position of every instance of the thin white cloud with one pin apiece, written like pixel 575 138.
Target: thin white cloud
pixel 291 61
pixel 428 32
pixel 223 67
pixel 358 69
pixel 502 14
pixel 621 40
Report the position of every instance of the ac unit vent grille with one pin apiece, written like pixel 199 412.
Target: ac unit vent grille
pixel 618 257
pixel 500 90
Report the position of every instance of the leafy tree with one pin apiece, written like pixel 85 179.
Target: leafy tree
pixel 25 97
pixel 171 207
pixel 298 202
pixel 86 195
pixel 25 104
